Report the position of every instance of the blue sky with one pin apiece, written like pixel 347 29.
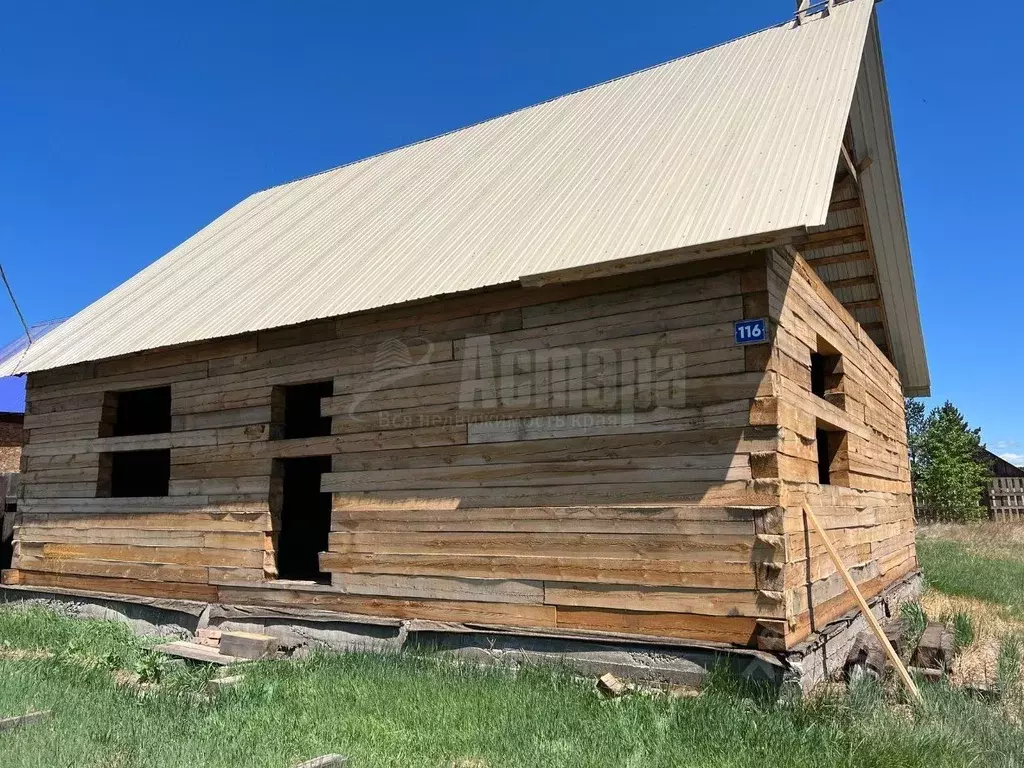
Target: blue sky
pixel 126 127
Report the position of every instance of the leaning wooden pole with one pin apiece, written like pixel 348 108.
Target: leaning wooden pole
pixel 908 681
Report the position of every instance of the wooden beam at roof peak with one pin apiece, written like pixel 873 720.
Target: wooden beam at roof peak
pixel 865 304
pixel 851 167
pixel 830 237
pixel 842 258
pixel 850 282
pixel 844 205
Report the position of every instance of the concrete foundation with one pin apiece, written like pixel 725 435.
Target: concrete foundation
pixel 821 657
pixel 640 659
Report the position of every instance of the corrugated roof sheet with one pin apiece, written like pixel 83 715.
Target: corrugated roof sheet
pixel 738 140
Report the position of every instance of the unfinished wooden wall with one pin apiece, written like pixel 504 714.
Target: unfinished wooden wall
pixel 867 509
pixel 682 523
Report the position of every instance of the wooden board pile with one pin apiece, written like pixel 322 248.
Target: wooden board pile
pixel 216 647
pixel 932 656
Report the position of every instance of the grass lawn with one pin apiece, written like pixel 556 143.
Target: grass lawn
pixel 403 710
pixel 958 568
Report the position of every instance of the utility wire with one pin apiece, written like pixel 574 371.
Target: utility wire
pixel 14 301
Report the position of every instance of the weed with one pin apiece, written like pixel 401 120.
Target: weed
pixel 963 630
pixel 914 622
pixel 150 667
pixel 1009 663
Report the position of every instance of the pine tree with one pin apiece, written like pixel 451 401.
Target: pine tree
pixel 915 416
pixel 951 476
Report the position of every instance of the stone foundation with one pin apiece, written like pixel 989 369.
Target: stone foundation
pixel 641 659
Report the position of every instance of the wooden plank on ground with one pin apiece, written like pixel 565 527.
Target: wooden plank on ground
pixel 195 652
pixel 325 761
pixel 10 723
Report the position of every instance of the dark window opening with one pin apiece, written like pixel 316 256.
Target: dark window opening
pixel 297 410
pixel 9 487
pixel 135 473
pixel 827 373
pixel 142 411
pixel 6 551
pixel 305 519
pixel 6 534
pixel 824 462
pixel 831 444
pixel 817 374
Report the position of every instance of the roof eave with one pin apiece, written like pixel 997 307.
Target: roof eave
pixel 664 258
pixel 871 124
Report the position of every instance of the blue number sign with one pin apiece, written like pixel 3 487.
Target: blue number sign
pixel 751 331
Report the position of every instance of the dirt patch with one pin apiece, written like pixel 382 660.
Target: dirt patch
pixel 979 662
pixel 21 654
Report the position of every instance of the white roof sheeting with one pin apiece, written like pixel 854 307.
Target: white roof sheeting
pixel 738 140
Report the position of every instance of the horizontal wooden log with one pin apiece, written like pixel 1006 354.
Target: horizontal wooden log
pixel 228 417
pixel 725 547
pixel 441 588
pixel 686 422
pixel 152 572
pixel 118 586
pixel 601 471
pixel 581 568
pixel 734 493
pixel 74 517
pixel 371 440
pixel 141 505
pixel 698 446
pixel 653 520
pixel 738 630
pixel 183 538
pixel 475 612
pixel 708 602
pixel 212 486
pixel 831 238
pixel 127 553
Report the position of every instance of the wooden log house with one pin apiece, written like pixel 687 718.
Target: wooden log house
pixel 577 368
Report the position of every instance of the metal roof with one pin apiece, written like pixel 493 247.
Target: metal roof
pixel 735 141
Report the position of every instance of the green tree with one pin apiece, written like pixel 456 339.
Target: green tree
pixel 915 415
pixel 950 475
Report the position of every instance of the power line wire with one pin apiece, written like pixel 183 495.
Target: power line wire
pixel 14 301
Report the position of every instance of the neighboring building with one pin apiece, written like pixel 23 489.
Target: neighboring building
pixel 10 462
pixel 999 466
pixel 1004 496
pixel 515 375
pixel 10 441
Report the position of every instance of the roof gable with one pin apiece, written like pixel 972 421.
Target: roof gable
pixel 736 141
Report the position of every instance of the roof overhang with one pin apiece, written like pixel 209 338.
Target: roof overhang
pixel 871 127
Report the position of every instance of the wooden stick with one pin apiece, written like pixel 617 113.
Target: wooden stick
pixel 17 722
pixel 327 761
pixel 908 681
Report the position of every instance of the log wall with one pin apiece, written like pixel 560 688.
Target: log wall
pixel 868 508
pixel 497 459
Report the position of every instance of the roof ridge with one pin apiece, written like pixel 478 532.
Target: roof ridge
pixel 550 100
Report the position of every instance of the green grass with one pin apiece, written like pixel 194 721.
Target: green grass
pixel 404 710
pixel 957 568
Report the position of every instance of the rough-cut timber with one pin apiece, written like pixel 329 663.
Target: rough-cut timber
pixel 463 495
pixel 497 378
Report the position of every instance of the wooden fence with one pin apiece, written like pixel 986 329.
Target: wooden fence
pixel 1003 499
pixel 1006 499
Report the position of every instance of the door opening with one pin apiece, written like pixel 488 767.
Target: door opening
pixel 305 519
